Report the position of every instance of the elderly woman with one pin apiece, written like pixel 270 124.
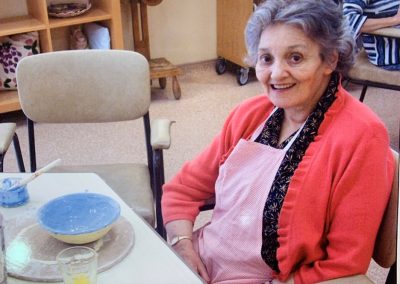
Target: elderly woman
pixel 301 174
pixel 369 15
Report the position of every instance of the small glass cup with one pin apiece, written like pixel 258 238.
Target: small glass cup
pixel 78 265
pixel 15 197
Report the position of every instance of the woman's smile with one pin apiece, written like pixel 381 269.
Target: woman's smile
pixel 282 86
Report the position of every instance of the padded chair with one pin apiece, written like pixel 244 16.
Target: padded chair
pixel 366 74
pixel 8 135
pixel 98 86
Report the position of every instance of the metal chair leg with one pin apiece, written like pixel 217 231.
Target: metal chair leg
pixel 364 90
pixel 18 153
pixel 158 165
pixel 32 150
pixel 1 162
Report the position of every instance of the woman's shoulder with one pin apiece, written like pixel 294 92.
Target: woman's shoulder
pixel 246 116
pixel 252 110
pixel 356 118
pixel 361 113
pixel 259 103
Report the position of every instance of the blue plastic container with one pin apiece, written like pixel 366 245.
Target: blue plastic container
pixel 15 197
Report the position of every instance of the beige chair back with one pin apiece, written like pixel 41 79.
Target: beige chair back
pixel 385 244
pixel 57 83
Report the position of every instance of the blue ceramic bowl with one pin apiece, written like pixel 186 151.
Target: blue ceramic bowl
pixel 79 218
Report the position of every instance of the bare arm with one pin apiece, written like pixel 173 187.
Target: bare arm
pixel 185 247
pixel 371 25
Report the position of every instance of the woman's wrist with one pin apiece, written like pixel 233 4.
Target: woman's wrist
pixel 178 230
pixel 178 238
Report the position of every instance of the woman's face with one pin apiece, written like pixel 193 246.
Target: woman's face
pixel 290 68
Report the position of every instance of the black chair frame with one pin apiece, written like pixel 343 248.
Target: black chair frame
pixel 365 84
pixel 18 154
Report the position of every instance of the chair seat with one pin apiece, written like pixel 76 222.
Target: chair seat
pixel 130 181
pixel 364 70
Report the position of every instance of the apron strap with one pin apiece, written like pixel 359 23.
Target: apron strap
pixel 295 136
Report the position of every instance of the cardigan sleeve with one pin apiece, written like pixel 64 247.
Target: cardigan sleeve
pixel 195 182
pixel 357 203
pixel 353 11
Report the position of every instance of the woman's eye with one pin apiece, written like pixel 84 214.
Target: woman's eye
pixel 296 58
pixel 265 59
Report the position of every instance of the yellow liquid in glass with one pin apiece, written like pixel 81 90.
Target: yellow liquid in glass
pixel 80 279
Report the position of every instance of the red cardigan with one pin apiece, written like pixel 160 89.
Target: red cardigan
pixel 336 197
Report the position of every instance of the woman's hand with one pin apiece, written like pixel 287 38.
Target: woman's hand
pixel 185 246
pixel 186 250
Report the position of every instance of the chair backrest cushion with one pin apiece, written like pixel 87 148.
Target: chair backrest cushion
pixel 79 86
pixel 385 244
pixel 364 70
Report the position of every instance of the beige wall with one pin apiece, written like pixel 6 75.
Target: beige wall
pixel 183 31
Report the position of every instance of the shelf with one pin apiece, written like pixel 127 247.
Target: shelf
pixel 20 24
pixel 93 15
pixel 22 16
pixel 9 101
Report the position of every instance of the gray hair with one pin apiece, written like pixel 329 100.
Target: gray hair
pixel 321 20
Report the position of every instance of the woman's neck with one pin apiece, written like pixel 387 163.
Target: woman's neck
pixel 289 126
pixel 295 118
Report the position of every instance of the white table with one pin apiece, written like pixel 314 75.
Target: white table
pixel 150 260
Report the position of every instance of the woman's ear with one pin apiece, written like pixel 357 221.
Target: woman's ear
pixel 332 60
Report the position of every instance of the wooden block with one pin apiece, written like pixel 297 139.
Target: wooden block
pixel 161 67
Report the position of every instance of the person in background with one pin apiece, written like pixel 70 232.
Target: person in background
pixel 301 174
pixel 366 16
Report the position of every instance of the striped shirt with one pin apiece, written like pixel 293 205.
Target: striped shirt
pixel 381 51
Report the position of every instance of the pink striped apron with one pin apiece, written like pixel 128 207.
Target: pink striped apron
pixel 230 245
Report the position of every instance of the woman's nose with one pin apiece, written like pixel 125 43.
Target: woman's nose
pixel 278 70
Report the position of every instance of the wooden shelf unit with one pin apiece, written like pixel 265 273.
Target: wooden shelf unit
pixel 231 23
pixel 53 32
